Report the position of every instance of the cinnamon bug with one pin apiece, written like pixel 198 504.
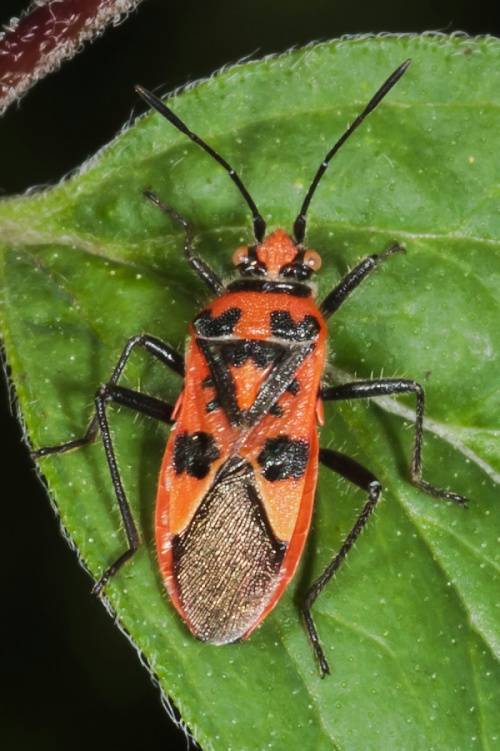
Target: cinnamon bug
pixel 239 474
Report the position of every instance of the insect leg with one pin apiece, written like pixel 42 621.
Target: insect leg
pixel 353 279
pixel 364 479
pixel 142 403
pixel 156 347
pixel 390 387
pixel 202 269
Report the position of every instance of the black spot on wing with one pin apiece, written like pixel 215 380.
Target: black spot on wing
pixel 284 327
pixel 194 453
pixel 283 458
pixel 222 325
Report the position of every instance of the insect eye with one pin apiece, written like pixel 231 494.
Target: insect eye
pixel 312 259
pixel 240 256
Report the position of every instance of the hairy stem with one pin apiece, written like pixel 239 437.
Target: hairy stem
pixel 51 32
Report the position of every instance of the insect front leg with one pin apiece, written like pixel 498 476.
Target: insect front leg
pixel 391 387
pixel 141 403
pixel 353 279
pixel 360 476
pixel 201 269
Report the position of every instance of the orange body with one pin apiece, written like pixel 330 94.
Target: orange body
pixel 239 473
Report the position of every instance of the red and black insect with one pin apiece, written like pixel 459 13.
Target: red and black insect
pixel 239 474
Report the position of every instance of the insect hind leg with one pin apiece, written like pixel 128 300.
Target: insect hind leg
pixel 364 479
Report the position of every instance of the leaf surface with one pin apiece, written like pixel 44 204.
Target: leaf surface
pixel 411 624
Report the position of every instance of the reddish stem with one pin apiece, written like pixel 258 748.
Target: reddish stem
pixel 37 43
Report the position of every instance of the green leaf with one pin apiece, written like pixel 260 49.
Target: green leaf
pixel 410 625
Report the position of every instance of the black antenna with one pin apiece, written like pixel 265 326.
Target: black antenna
pixel 259 225
pixel 299 225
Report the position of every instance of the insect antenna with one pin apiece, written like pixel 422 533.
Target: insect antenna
pixel 299 225
pixel 259 225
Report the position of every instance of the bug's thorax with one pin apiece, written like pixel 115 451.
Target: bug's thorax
pixel 253 369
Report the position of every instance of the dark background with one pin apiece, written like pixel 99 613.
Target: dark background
pixel 69 680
